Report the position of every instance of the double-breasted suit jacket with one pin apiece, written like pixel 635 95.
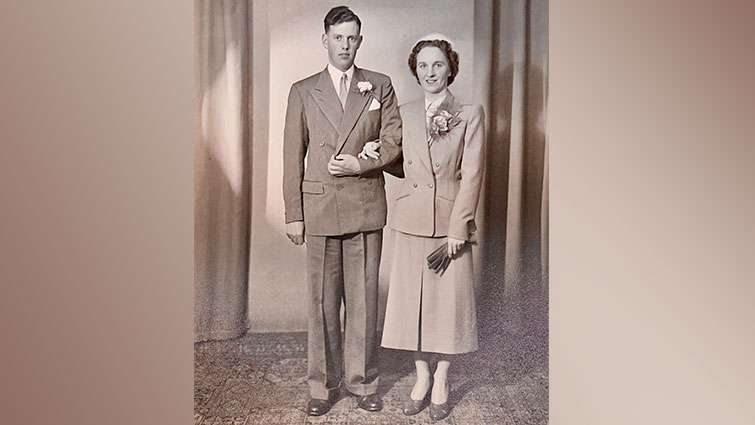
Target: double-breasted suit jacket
pixel 427 311
pixel 317 127
pixel 442 179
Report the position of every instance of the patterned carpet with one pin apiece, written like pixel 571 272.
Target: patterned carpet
pixel 260 379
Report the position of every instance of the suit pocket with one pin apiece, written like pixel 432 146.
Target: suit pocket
pixel 315 188
pixel 374 105
pixel 403 196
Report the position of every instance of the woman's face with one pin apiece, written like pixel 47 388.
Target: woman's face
pixel 432 69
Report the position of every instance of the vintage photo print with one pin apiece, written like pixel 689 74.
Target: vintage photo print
pixel 371 212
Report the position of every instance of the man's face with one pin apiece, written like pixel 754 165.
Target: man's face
pixel 342 41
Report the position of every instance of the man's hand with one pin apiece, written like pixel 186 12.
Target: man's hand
pixel 295 232
pixel 344 165
pixel 454 246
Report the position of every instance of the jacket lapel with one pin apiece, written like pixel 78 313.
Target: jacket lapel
pixel 449 104
pixel 416 127
pixel 327 99
pixel 355 106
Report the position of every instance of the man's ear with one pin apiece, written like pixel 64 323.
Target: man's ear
pixel 359 43
pixel 324 39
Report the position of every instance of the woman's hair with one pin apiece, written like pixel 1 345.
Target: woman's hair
pixel 451 56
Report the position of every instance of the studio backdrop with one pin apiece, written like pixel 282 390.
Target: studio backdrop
pixel 248 275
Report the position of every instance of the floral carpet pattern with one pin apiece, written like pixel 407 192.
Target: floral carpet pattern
pixel 260 378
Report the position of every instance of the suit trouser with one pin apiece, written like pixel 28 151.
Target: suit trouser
pixel 343 268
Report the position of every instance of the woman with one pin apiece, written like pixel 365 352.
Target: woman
pixel 433 314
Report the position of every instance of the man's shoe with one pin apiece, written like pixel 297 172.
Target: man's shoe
pixel 317 407
pixel 370 403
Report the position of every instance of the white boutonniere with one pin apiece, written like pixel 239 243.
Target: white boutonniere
pixel 364 87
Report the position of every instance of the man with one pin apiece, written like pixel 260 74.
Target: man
pixel 338 202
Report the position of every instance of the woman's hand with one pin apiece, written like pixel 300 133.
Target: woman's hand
pixel 371 150
pixel 454 246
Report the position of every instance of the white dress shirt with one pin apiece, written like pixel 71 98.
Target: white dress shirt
pixel 335 76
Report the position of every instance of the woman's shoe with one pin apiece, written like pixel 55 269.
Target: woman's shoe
pixel 415 406
pixel 439 411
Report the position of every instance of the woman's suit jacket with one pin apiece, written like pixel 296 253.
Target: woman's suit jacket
pixel 442 179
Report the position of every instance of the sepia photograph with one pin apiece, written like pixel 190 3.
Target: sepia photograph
pixel 364 230
pixel 371 212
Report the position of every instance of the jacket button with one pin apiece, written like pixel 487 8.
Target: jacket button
pixel 369 182
pixel 410 162
pixel 437 164
pixel 322 144
pixel 339 187
pixel 430 185
pixel 415 185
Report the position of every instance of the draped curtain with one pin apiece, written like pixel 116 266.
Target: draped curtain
pixel 515 255
pixel 511 71
pixel 222 123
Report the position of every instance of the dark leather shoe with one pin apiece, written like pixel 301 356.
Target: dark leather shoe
pixel 317 407
pixel 370 403
pixel 415 406
pixel 439 411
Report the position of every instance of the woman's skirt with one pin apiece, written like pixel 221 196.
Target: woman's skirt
pixel 426 311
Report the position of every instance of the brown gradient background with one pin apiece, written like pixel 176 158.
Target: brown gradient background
pixel 651 137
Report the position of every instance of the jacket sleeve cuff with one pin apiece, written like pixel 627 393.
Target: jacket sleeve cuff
pixel 367 165
pixel 294 216
pixel 458 230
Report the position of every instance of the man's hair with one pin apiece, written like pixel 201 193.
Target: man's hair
pixel 339 15
pixel 451 56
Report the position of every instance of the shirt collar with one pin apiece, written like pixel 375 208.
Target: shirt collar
pixel 335 75
pixel 435 103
